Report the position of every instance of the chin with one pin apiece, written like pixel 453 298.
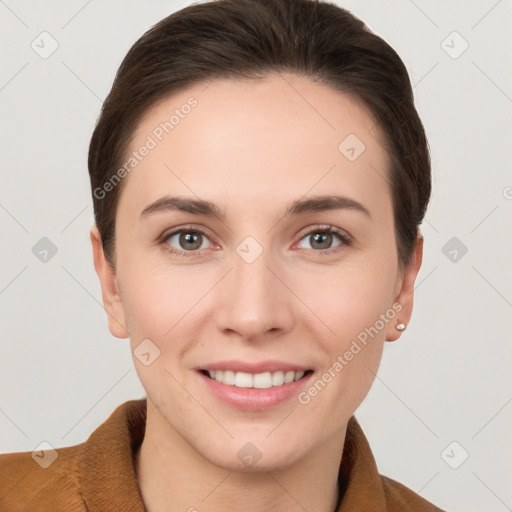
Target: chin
pixel 257 466
pixel 242 455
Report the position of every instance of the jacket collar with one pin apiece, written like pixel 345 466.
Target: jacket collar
pixel 109 481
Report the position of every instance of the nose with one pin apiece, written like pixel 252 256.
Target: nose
pixel 254 301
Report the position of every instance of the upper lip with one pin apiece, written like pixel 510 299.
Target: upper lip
pixel 254 367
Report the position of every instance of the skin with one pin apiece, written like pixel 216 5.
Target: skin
pixel 252 148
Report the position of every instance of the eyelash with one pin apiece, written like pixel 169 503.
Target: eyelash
pixel 324 229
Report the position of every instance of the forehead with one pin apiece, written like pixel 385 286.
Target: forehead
pixel 279 131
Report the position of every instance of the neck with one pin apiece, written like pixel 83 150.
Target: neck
pixel 173 477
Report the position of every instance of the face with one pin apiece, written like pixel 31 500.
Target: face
pixel 271 283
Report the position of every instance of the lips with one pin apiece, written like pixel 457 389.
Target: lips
pixel 258 375
pixel 258 391
pixel 254 367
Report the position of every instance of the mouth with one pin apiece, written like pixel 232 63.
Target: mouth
pixel 262 380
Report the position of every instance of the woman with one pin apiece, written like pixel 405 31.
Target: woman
pixel 259 174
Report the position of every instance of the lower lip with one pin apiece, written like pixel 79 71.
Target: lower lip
pixel 253 399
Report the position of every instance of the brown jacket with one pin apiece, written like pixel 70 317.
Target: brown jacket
pixel 98 475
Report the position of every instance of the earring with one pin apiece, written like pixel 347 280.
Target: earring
pixel 400 327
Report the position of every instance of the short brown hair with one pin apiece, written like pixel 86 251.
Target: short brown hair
pixel 246 39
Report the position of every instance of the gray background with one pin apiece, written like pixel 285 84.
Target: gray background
pixel 447 379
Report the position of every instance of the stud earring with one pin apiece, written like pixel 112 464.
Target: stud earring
pixel 400 327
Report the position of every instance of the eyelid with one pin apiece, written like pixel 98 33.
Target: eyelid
pixel 324 228
pixel 346 238
pixel 188 227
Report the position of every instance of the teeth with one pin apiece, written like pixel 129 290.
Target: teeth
pixel 298 375
pixel 242 380
pixel 262 380
pixel 277 379
pixel 258 380
pixel 229 377
pixel 288 377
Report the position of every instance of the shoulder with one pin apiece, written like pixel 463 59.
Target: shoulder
pixel 96 474
pixel 400 498
pixel 42 480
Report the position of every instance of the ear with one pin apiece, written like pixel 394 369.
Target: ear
pixel 405 294
pixel 111 299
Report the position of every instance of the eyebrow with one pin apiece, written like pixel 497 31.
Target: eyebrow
pixel 202 207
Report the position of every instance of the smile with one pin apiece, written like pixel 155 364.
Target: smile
pixel 255 380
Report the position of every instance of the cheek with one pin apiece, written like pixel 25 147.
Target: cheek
pixel 355 305
pixel 156 295
pixel 160 306
pixel 355 302
pixel 348 299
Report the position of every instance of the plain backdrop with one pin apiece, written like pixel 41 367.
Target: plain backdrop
pixel 439 415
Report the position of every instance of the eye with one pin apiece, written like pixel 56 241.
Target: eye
pixel 189 240
pixel 185 241
pixel 321 239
